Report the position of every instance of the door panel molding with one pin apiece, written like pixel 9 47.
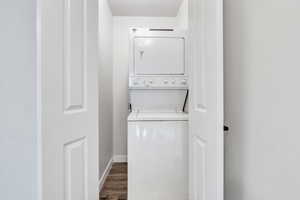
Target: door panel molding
pixel 75 66
pixel 75 161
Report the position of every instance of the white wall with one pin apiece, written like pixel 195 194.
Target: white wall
pixel 105 85
pixel 121 51
pixel 183 15
pixel 18 118
pixel 262 95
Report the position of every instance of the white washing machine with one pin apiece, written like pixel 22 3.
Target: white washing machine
pixel 158 125
pixel 157 156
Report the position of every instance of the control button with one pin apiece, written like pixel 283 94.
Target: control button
pixel 166 81
pixel 135 83
pixel 173 82
pixel 151 81
pixel 183 82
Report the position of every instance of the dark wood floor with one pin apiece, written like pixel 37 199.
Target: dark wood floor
pixel 115 186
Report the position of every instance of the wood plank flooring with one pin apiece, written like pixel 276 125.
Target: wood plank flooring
pixel 115 186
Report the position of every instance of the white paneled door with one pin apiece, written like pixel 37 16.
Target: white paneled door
pixel 67 32
pixel 206 108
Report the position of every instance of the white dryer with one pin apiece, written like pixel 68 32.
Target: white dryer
pixel 157 156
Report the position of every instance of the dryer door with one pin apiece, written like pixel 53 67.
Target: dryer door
pixel 159 56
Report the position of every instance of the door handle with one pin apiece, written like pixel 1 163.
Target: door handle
pixel 226 128
pixel 142 54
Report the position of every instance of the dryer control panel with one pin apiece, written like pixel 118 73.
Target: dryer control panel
pixel 158 82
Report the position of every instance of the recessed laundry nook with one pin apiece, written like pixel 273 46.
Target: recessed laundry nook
pixel 153 56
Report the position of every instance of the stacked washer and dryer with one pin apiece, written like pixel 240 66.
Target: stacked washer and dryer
pixel 158 121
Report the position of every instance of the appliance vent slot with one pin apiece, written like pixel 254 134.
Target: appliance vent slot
pixel 158 29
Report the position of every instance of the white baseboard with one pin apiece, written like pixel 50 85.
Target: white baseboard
pixel 120 158
pixel 105 174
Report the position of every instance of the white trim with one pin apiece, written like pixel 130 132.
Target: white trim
pixel 120 158
pixel 39 127
pixel 105 174
pixel 220 98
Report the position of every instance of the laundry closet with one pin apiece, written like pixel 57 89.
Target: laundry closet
pixel 153 56
pixel 146 59
pixel 150 100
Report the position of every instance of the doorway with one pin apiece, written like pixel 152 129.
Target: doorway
pixel 84 103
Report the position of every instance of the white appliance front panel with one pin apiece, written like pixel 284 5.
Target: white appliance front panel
pixel 159 56
pixel 157 100
pixel 158 160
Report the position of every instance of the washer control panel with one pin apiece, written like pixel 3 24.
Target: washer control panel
pixel 158 82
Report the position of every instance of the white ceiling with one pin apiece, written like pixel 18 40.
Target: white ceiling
pixel 156 8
